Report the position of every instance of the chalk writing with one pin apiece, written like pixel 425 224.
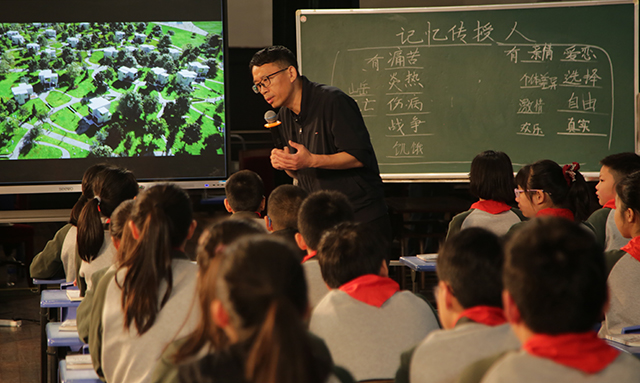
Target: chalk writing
pixel 530 106
pixel 537 80
pixel 407 39
pixel 483 32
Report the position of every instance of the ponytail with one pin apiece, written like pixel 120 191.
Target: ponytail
pixel 566 186
pixel 162 215
pixel 579 198
pixel 110 187
pixel 90 231
pixel 281 351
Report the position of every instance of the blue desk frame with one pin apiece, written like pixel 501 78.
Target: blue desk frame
pixel 417 265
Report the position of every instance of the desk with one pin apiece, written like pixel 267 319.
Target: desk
pixel 417 265
pixel 77 376
pixel 44 319
pixel 57 338
pixel 50 299
pixel 624 348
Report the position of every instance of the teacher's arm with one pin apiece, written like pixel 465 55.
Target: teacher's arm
pixel 303 159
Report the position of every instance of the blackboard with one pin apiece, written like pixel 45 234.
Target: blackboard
pixel 436 86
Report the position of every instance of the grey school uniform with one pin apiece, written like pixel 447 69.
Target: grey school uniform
pixel 367 340
pixel 624 290
pixel 522 367
pixel 607 233
pixel 443 355
pixel 122 355
pixel 315 283
pixel 499 224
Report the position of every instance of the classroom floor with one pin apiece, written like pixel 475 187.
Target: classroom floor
pixel 20 346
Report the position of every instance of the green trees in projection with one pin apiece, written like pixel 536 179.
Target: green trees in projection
pixel 130 106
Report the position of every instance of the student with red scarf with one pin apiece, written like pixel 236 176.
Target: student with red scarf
pixel 491 181
pixel 555 291
pixel 545 188
pixel 624 307
pixel 365 320
pixel 469 298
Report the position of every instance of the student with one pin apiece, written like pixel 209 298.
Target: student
pixel 244 192
pixel 121 237
pixel 556 289
pixel 282 212
pixel 546 189
pixel 469 298
pixel 624 307
pixel 365 319
pixel 95 248
pixel 207 337
pixel 150 299
pixel 614 168
pixel 319 212
pixel 260 304
pixel 491 181
pixel 58 258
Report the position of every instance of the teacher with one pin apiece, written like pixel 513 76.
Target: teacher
pixel 328 143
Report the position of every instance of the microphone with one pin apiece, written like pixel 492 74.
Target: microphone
pixel 272 122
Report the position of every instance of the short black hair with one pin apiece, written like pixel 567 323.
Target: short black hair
pixel 244 191
pixel 283 205
pixel 491 177
pixel 471 263
pixel 621 164
pixel 555 273
pixel 348 251
pixel 320 211
pixel 628 191
pixel 274 54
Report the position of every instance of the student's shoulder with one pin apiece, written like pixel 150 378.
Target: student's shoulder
pixel 612 257
pixel 456 222
pixel 625 368
pixel 475 372
pixel 166 370
pixel 599 217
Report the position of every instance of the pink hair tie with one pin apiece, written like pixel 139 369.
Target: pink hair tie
pixel 569 172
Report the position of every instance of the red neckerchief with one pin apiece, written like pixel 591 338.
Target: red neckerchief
pixel 556 212
pixel 309 256
pixel 371 289
pixel 486 315
pixel 583 351
pixel 633 248
pixel 491 207
pixel 611 204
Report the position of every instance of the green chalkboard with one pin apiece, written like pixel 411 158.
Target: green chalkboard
pixel 436 86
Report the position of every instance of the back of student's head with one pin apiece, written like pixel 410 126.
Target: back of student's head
pixel 554 271
pixel 162 218
pixel 211 245
pixel 283 206
pixel 621 164
pixel 491 177
pixel 471 263
pixel 87 191
pixel 244 191
pixel 320 211
pixel 118 227
pixel 348 251
pixel 628 190
pixel 277 54
pixel 111 186
pixel 262 286
pixel 565 185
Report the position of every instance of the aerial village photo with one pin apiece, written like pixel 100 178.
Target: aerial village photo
pixel 77 90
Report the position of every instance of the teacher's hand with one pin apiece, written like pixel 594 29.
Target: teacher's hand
pixel 285 160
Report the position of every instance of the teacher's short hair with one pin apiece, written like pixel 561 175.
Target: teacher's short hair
pixel 274 54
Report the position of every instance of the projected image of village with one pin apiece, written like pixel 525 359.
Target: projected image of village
pixel 77 90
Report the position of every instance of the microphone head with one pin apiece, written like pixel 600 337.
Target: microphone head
pixel 270 116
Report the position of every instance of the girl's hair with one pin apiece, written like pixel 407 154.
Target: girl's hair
pixel 110 187
pixel 119 229
pixel 162 215
pixel 87 191
pixel 566 187
pixel 491 177
pixel 628 191
pixel 262 286
pixel 211 244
